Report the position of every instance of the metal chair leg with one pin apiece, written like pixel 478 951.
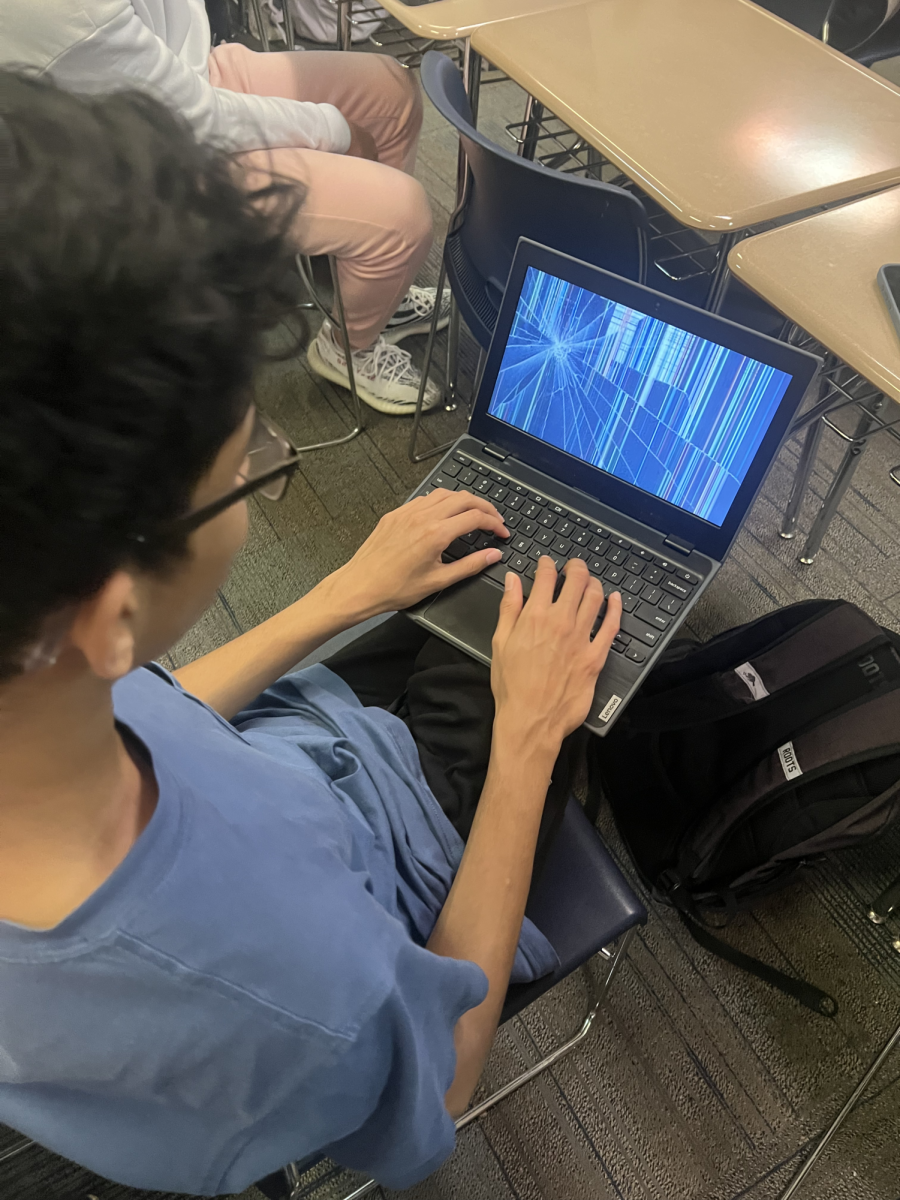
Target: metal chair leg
pixel 6 1155
pixel 414 455
pixel 479 371
pixel 261 27
pixel 841 1117
pixel 842 479
pixel 721 276
pixel 472 80
pixel 288 24
pixel 452 374
pixel 304 267
pixel 598 995
pixel 886 904
pixel 344 25
pixel 295 1183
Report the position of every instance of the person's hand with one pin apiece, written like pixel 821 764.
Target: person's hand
pixel 362 144
pixel 400 562
pixel 545 665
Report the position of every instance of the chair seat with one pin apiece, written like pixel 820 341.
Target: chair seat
pixel 581 903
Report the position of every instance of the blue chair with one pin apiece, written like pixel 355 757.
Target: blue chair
pixel 506 197
pixel 861 30
pixel 583 905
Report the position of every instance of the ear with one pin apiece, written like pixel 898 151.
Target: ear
pixel 104 627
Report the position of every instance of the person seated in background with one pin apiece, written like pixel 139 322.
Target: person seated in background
pixel 316 20
pixel 237 924
pixel 345 128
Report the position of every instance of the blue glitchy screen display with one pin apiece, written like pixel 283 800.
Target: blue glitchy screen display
pixel 660 408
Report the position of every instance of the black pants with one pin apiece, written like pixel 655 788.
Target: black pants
pixel 444 697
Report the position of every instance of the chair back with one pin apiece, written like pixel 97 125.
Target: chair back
pixel 509 197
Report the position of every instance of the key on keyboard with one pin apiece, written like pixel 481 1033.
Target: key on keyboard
pixel 653 589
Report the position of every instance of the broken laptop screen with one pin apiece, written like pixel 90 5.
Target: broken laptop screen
pixel 665 410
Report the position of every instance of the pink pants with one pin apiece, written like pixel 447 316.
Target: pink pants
pixel 372 216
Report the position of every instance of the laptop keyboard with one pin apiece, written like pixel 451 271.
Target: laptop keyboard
pixel 653 589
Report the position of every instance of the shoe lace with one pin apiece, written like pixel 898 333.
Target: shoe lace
pixel 393 364
pixel 421 301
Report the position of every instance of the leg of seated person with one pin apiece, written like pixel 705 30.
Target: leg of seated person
pixel 377 665
pixel 370 90
pixel 376 221
pixel 444 697
pixel 372 216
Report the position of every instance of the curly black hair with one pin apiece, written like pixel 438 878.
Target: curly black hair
pixel 137 278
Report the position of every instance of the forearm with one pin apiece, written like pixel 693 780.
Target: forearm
pixel 230 677
pixel 482 917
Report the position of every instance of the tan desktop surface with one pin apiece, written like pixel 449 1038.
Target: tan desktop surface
pixel 722 112
pixel 821 273
pixel 446 19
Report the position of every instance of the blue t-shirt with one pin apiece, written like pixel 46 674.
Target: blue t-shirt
pixel 250 985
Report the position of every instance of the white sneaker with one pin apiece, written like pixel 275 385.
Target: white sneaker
pixel 415 312
pixel 384 374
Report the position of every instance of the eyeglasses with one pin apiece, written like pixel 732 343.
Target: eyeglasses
pixel 272 458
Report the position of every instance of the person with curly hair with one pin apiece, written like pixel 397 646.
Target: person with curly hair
pixel 237 923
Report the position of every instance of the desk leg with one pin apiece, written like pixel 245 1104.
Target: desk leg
pixel 841 1117
pixel 842 479
pixel 531 125
pixel 472 81
pixel 808 452
pixel 801 479
pixel 718 286
pixel 472 77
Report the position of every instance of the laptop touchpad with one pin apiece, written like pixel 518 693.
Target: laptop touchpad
pixel 467 614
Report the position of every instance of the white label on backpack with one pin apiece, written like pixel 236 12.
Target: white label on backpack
pixel 789 763
pixel 609 708
pixel 758 689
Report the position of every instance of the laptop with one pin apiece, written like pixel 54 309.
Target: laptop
pixel 617 425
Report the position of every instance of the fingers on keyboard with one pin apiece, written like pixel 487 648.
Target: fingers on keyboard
pixel 653 589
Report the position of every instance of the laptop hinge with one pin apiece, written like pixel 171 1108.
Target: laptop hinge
pixel 495 452
pixel 675 543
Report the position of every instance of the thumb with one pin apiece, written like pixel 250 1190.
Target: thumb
pixel 510 607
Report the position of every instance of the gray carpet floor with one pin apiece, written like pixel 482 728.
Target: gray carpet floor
pixel 698 1083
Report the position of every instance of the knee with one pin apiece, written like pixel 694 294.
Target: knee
pixel 414 222
pixel 403 86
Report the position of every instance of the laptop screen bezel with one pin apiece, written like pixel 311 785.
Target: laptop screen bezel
pixel 686 527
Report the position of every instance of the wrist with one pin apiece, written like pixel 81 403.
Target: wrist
pixel 340 596
pixel 525 743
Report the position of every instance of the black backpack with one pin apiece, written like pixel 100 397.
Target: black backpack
pixel 742 759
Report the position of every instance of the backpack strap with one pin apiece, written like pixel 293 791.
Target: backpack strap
pixel 730 675
pixel 807 994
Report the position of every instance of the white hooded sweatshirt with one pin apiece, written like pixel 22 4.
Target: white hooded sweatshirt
pixel 161 46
